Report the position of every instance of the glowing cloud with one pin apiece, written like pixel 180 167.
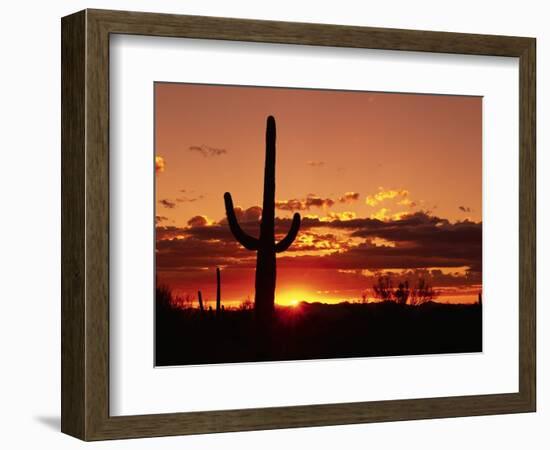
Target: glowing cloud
pixel 407 202
pixel 381 214
pixel 373 200
pixel 345 215
pixel 159 164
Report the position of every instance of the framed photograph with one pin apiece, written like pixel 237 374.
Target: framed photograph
pixel 270 224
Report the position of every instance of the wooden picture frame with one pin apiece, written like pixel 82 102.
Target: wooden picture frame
pixel 85 224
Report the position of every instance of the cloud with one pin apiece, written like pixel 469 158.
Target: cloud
pixel 381 214
pixel 349 197
pixel 464 208
pixel 384 214
pixel 159 219
pixel 345 215
pixel 304 204
pixel 314 201
pixel 167 232
pixel 167 203
pixel 192 253
pixel 415 241
pixel 337 252
pixel 246 216
pixel 308 241
pixel 186 199
pixel 252 214
pixel 315 163
pixel 406 202
pixel 373 200
pixel 207 151
pixel 159 164
pixel 198 221
pixel 418 240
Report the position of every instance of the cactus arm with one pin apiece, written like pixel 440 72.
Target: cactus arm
pixel 287 241
pixel 247 241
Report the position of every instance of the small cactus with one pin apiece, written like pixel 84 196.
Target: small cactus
pixel 201 304
pixel 218 291
pixel 219 306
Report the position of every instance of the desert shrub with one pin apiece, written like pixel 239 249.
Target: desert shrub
pixel 403 294
pixel 383 289
pixel 246 305
pixel 163 296
pixel 422 292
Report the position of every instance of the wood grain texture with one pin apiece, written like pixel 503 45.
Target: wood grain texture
pixel 73 226
pixel 527 224
pixel 85 224
pixel 97 226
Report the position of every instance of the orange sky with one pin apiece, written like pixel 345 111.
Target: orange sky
pixel 386 182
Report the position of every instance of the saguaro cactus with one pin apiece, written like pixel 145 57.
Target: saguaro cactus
pixel 264 245
pixel 201 304
pixel 218 291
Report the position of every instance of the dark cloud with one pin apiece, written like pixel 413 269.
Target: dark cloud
pixel 167 203
pixel 414 242
pixel 316 163
pixel 207 151
pixel 464 208
pixel 314 201
pixel 349 197
pixel 159 219
pixel 193 252
pixel 186 199
pixel 246 216
pixel 304 204
pixel 166 232
pixel 197 221
pixel 199 228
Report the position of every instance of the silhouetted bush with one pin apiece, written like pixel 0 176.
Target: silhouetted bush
pixel 163 296
pixel 401 294
pixel 421 293
pixel 383 289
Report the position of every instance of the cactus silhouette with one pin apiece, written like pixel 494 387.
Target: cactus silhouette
pixel 201 304
pixel 264 245
pixel 218 291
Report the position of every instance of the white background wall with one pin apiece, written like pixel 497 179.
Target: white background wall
pixel 30 229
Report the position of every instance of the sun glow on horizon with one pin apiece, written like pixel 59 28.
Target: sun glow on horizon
pixel 293 297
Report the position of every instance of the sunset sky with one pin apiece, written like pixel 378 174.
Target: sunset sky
pixel 384 183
